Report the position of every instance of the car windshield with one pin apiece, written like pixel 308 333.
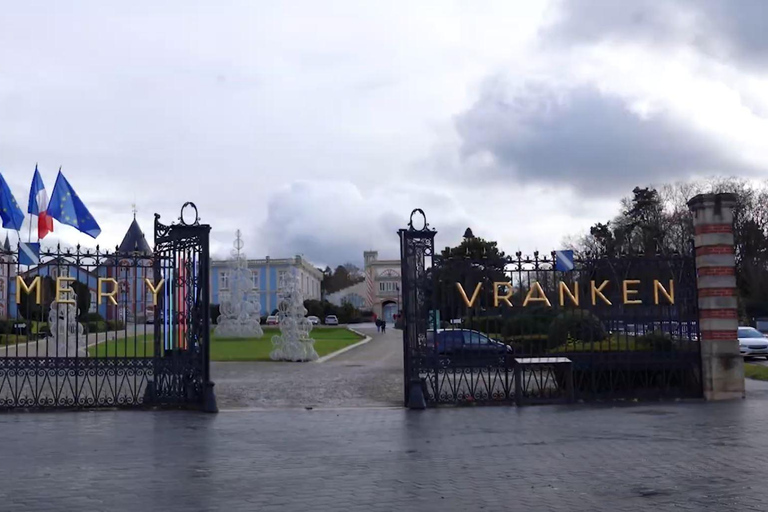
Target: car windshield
pixel 748 332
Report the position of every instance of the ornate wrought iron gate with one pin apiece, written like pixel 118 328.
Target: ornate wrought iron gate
pixel 527 329
pixel 87 328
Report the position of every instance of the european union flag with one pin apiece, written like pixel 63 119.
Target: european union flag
pixel 9 209
pixel 66 207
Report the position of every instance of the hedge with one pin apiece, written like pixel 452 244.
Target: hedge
pixel 522 324
pixel 576 324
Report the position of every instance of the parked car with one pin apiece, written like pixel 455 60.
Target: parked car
pixel 313 319
pixel 272 320
pixel 464 347
pixel 331 320
pixel 752 342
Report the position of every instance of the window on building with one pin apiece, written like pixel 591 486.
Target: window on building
pixel 387 286
pixel 92 309
pixel 281 279
pixel 224 280
pixel 255 279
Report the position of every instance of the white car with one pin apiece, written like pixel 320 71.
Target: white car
pixel 331 320
pixel 752 342
pixel 314 320
pixel 272 320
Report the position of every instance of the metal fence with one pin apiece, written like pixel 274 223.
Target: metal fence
pixel 483 329
pixel 93 328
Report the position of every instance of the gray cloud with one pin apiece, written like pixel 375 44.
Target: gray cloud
pixel 334 222
pixel 583 139
pixel 723 29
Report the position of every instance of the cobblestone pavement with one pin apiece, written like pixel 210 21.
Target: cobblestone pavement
pixel 660 456
pixel 370 375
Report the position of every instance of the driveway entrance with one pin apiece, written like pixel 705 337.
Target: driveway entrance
pixel 367 376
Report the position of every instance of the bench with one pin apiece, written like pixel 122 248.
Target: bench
pixel 546 367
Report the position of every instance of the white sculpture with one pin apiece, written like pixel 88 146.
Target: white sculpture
pixel 66 332
pixel 293 343
pixel 240 311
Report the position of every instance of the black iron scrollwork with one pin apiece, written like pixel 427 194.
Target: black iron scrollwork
pixel 425 225
pixel 183 221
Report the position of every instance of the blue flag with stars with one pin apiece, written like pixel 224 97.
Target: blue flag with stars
pixel 66 207
pixel 9 209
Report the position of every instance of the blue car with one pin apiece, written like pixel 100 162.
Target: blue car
pixel 464 347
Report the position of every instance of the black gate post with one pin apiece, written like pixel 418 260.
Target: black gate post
pixel 416 245
pixel 209 398
pixel 183 367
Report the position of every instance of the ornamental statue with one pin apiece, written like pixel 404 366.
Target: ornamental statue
pixel 240 311
pixel 293 343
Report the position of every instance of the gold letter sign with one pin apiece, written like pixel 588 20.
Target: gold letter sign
pixel 574 296
pixel 540 295
pixel 153 289
pixel 22 285
pixel 468 302
pixel 497 297
pixel 65 290
pixel 110 295
pixel 599 291
pixel 628 292
pixel 669 295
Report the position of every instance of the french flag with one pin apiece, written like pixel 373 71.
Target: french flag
pixel 38 205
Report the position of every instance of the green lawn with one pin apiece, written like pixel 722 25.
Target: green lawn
pixel 12 339
pixel 327 340
pixel 755 371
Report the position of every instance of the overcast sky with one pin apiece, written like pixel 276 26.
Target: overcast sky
pixel 316 127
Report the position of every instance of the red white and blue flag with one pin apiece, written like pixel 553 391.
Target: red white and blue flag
pixel 38 205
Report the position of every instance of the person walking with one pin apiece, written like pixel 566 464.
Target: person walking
pixel 383 326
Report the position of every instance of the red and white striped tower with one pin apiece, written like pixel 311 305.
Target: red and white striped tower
pixel 371 296
pixel 370 257
pixel 722 365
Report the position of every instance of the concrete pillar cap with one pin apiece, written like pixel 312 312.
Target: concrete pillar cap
pixel 716 201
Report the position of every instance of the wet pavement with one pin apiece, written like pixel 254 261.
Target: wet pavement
pixel 332 437
pixel 658 456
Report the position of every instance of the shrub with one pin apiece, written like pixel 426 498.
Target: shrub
pixel 656 341
pixel 578 325
pixel 521 323
pixel 92 327
pixel 92 317
pixel 115 325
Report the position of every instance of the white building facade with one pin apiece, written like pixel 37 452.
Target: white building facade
pixel 268 278
pixel 380 292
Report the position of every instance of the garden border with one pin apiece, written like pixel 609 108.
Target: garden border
pixel 366 339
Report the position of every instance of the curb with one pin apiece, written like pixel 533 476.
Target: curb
pixel 366 339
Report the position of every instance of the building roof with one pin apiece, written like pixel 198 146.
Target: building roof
pixel 298 261
pixel 7 244
pixel 134 240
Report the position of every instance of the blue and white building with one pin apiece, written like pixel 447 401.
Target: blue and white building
pixel 268 277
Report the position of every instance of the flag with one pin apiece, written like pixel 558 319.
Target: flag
pixel 66 207
pixel 38 205
pixel 564 261
pixel 29 253
pixel 9 209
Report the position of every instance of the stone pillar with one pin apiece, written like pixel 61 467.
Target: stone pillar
pixel 722 365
